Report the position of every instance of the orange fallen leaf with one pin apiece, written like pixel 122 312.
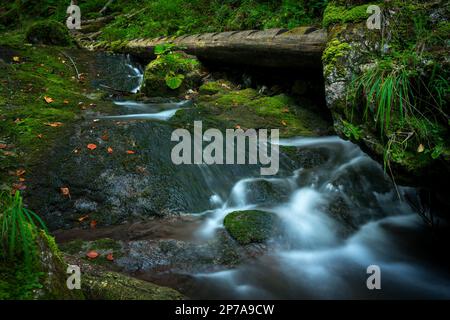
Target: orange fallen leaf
pixel 3 146
pixel 105 137
pixel 110 150
pixel 66 101
pixel 92 254
pixel 130 152
pixel 92 146
pixel 93 224
pixel 110 257
pixel 237 126
pixel 48 99
pixel 20 172
pixel 81 219
pixel 65 191
pixel 9 153
pixel 22 179
pixel 54 124
pixel 18 186
pixel 40 136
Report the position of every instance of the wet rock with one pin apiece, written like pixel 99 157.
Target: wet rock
pixel 250 226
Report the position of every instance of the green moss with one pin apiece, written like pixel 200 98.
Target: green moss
pixel 48 32
pixel 351 131
pixel 335 14
pixel 335 49
pixel 250 226
pixel 214 87
pixel 115 286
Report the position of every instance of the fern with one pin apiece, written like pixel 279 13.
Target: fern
pixel 18 229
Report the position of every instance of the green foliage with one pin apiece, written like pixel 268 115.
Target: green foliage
pixel 18 229
pixel 153 18
pixel 171 65
pixel 334 50
pixel 351 131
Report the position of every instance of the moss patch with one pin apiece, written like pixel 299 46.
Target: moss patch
pixel 335 14
pixel 48 32
pixel 250 226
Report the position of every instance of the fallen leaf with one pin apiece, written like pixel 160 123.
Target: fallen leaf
pixel 16 59
pixel 283 123
pixel 92 254
pixel 93 224
pixel 20 172
pixel 82 218
pixel 66 101
pixel 18 186
pixel 3 146
pixel 91 146
pixel 40 136
pixel 421 148
pixel 18 120
pixel 237 126
pixel 54 124
pixel 285 110
pixel 9 153
pixel 105 137
pixel 110 257
pixel 48 99
pixel 110 150
pixel 65 191
pixel 130 152
pixel 22 179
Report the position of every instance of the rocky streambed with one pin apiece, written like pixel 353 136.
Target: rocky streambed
pixel 310 231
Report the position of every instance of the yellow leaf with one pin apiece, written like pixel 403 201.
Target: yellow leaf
pixel 421 148
pixel 48 99
pixel 16 59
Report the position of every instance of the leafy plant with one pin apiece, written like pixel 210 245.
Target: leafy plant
pixel 18 228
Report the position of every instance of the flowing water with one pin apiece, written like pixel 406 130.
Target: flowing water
pixel 339 214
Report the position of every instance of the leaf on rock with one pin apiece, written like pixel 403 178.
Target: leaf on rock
pixel 92 146
pixel 48 99
pixel 92 254
pixel 54 124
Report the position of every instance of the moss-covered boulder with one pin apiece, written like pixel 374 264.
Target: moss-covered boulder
pixel 105 285
pixel 251 226
pixel 48 32
pixel 223 107
pixel 171 74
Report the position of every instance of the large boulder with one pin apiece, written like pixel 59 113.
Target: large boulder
pixel 48 32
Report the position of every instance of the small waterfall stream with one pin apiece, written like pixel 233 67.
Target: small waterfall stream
pixel 339 213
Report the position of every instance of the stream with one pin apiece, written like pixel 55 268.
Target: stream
pixel 338 210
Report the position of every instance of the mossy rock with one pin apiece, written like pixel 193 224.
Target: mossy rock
pixel 106 285
pixel 251 226
pixel 186 70
pixel 48 32
pixel 214 87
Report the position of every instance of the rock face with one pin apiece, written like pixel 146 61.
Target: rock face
pixel 353 50
pixel 250 226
